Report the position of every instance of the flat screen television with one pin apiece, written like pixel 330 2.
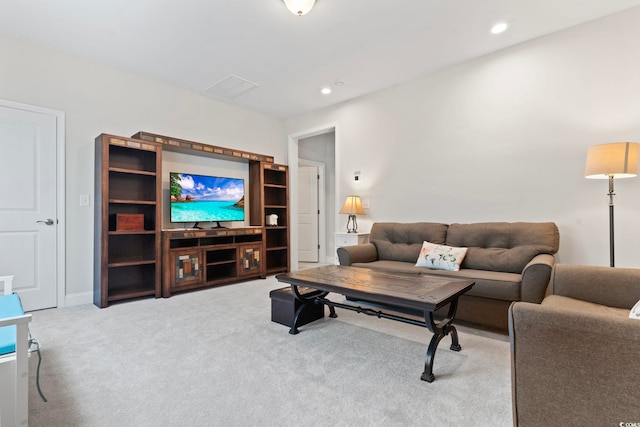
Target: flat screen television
pixel 204 198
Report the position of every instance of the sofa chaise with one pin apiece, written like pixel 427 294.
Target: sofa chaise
pixel 508 261
pixel 574 358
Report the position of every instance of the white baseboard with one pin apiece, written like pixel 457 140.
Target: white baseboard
pixel 79 298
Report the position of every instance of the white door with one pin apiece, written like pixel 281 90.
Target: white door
pixel 308 214
pixel 28 223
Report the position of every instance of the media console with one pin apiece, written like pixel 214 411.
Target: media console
pixel 135 258
pixel 195 258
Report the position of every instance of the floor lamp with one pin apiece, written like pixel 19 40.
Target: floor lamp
pixel 610 161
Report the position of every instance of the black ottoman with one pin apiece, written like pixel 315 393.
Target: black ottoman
pixel 284 306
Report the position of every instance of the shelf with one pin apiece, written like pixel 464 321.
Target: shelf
pixel 223 281
pixel 131 281
pixel 131 263
pixel 132 202
pixel 220 272
pixel 127 186
pixel 135 157
pixel 132 171
pixel 130 294
pixel 276 270
pixel 233 261
pixel 131 232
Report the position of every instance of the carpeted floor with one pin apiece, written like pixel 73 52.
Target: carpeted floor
pixel 214 358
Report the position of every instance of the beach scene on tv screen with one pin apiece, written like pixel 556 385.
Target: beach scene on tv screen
pixel 206 198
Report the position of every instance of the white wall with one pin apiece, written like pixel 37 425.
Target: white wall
pixel 503 138
pixel 98 99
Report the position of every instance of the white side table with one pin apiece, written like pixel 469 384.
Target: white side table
pixel 348 239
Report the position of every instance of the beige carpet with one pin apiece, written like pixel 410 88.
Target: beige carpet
pixel 214 358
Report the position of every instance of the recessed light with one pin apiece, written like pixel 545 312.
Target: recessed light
pixel 338 83
pixel 499 28
pixel 325 91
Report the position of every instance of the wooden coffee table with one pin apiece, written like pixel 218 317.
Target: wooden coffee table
pixel 410 291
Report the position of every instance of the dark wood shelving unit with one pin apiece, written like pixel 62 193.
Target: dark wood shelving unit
pixel 127 182
pixel 271 196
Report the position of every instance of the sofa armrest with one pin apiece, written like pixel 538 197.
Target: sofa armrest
pixel 613 287
pixel 572 367
pixel 535 278
pixel 366 252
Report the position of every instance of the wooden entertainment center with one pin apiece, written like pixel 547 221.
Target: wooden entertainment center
pixel 134 257
pixel 196 258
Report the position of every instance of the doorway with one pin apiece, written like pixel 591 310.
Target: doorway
pixel 32 219
pixel 319 145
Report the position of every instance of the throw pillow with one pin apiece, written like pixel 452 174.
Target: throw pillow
pixel 440 257
pixel 635 311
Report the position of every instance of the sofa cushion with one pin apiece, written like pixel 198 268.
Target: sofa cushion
pixel 440 257
pixel 503 246
pixel 489 284
pixel 393 266
pixel 558 301
pixel 403 241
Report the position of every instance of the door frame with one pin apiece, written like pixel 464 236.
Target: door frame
pixel 322 207
pixel 292 155
pixel 60 190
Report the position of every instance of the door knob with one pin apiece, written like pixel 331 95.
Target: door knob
pixel 49 221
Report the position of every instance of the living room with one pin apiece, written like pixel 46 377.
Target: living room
pixel 502 137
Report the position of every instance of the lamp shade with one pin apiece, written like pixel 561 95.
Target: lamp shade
pixel 615 160
pixel 299 7
pixel 352 206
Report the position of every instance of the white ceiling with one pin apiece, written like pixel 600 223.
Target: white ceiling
pixel 367 44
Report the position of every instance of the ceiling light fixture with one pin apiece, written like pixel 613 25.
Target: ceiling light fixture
pixel 299 7
pixel 325 91
pixel 499 28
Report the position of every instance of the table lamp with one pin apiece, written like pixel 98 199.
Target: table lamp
pixel 609 161
pixel 352 206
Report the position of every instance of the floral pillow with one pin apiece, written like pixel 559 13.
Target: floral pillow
pixel 635 311
pixel 440 257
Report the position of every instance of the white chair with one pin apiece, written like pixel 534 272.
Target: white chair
pixel 14 362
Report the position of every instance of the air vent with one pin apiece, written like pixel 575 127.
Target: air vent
pixel 230 87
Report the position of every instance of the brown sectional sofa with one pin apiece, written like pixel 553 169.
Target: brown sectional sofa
pixel 508 261
pixel 574 358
